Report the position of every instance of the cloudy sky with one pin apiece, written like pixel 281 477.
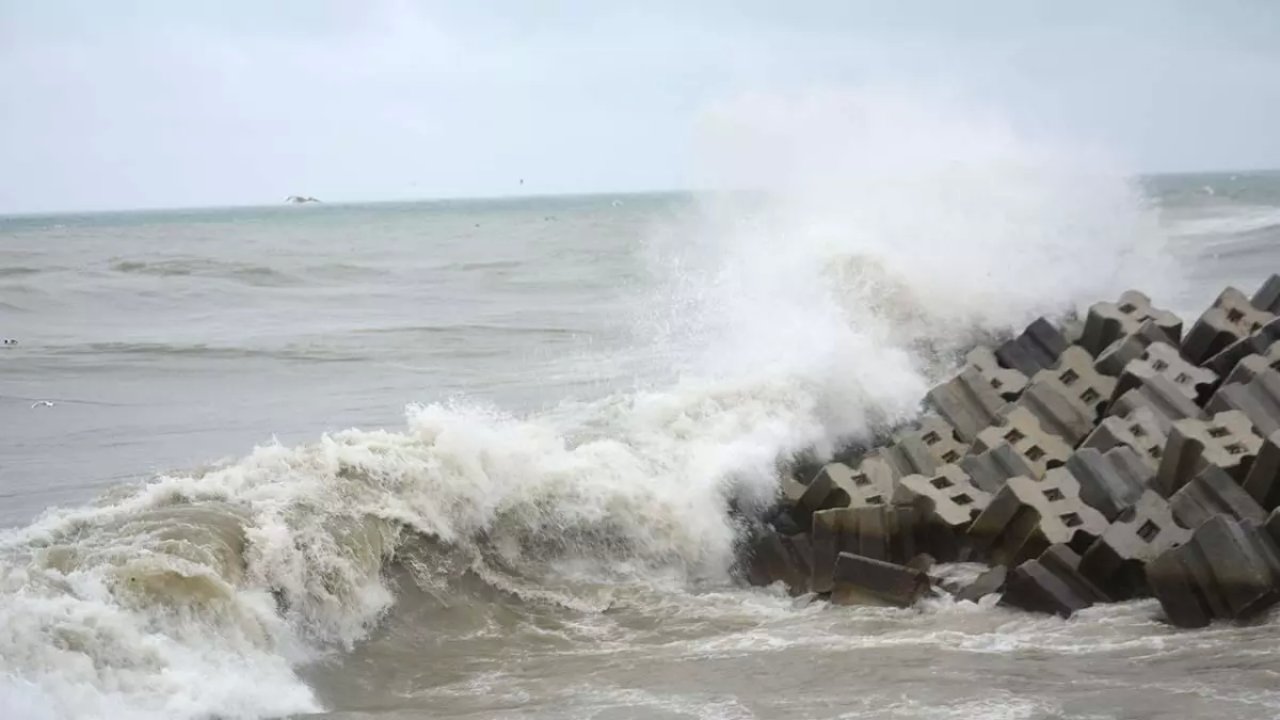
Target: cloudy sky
pixel 138 103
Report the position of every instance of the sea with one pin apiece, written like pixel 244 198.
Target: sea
pixel 492 458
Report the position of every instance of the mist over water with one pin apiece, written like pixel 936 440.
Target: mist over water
pixel 591 384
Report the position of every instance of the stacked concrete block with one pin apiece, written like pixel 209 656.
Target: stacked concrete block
pixel 1051 583
pixel 1259 399
pixel 1057 411
pixel 1116 562
pixel 1227 441
pixel 1110 482
pixel 1229 569
pixel 990 469
pixel 1075 377
pixel 1111 361
pixel 1109 322
pixel 968 403
pixel 1255 344
pixel 1253 365
pixel 1022 431
pixel 1139 431
pixel 1231 319
pixel 935 437
pixel 1007 382
pixel 1159 395
pixel 988 583
pixel 881 532
pixel 1268 296
pixel 860 580
pixel 947 501
pixel 1163 359
pixel 1037 348
pixel 1027 516
pixel 1214 492
pixel 1263 479
pixel 773 557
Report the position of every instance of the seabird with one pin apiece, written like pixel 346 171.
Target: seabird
pixel 41 403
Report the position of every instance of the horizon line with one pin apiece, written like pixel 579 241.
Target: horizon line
pixel 492 198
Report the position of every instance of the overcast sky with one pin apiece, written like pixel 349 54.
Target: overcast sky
pixel 132 103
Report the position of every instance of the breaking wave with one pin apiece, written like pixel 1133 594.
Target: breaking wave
pixel 881 237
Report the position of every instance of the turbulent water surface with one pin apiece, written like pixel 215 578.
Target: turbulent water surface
pixel 475 459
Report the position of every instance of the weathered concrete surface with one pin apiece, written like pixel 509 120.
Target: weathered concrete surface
pixel 1075 377
pixel 1213 492
pixel 1263 479
pixel 1027 516
pixel 1231 319
pixel 988 583
pixel 1108 322
pixel 1057 412
pixel 947 502
pixel 1164 360
pixel 990 469
pixel 881 532
pixel 1165 401
pixel 1139 431
pixel 1227 570
pixel 968 403
pixel 1116 562
pixel 773 557
pixel 1051 583
pixel 1110 482
pixel 1007 382
pixel 1257 343
pixel 1038 347
pixel 937 438
pixel 1227 441
pixel 860 580
pixel 1259 399
pixel 1268 295
pixel 1112 360
pixel 1022 431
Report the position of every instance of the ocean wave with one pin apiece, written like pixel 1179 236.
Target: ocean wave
pixel 160 350
pixel 887 243
pixel 247 273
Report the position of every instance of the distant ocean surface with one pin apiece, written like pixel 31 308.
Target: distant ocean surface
pixel 473 459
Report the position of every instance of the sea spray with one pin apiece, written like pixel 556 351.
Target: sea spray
pixel 880 237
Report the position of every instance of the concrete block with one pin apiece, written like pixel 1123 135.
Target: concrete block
pixel 1111 361
pixel 1213 492
pixel 1268 296
pixel 1255 343
pixel 860 580
pixel 1072 329
pixel 1262 482
pixel 968 403
pixel 1110 482
pixel 1038 347
pixel 1027 516
pixel 1251 366
pixel 1116 562
pixel 1051 583
pixel 990 469
pixel 1164 360
pixel 1057 411
pixel 949 496
pixel 773 557
pixel 1007 382
pixel 990 582
pixel 1022 431
pixel 935 437
pixel 1227 441
pixel 1259 400
pixel 1162 397
pixel 1108 322
pixel 1075 377
pixel 1139 431
pixel 1231 319
pixel 1228 569
pixel 880 532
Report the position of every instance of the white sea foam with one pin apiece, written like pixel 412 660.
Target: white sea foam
pixel 887 235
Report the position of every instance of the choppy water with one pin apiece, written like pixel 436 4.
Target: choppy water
pixel 590 382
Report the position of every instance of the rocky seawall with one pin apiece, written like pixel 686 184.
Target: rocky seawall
pixel 1086 462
